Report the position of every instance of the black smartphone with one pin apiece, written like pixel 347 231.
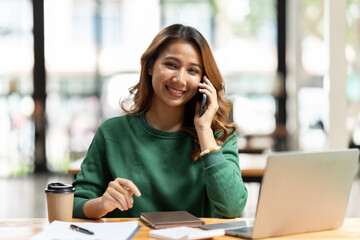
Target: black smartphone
pixel 203 103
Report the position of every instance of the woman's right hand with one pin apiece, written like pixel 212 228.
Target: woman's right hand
pixel 119 195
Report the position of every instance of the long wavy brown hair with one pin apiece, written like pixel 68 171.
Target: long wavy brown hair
pixel 143 90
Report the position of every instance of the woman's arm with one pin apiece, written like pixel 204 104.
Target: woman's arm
pixel 222 175
pixel 117 195
pixel 96 193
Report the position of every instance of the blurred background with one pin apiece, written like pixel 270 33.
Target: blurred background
pixel 66 64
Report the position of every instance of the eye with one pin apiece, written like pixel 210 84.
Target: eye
pixel 170 65
pixel 194 70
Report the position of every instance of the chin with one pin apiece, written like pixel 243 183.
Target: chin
pixel 175 104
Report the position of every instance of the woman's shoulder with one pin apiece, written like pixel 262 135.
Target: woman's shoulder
pixel 116 128
pixel 118 122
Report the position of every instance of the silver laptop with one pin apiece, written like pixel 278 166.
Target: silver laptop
pixel 302 192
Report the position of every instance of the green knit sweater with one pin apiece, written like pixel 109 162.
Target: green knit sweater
pixel 159 164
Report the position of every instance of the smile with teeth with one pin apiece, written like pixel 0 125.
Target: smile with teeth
pixel 174 91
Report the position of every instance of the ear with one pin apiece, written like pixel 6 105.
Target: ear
pixel 150 70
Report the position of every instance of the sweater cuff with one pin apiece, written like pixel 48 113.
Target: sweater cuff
pixel 212 158
pixel 79 209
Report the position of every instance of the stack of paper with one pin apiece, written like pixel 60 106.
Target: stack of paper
pixel 185 233
pixel 112 230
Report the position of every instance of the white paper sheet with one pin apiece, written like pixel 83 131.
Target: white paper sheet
pixel 59 230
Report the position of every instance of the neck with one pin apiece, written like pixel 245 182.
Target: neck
pixel 166 119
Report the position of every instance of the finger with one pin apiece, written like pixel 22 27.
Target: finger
pixel 203 85
pixel 125 194
pixel 118 186
pixel 109 199
pixel 208 82
pixel 207 86
pixel 119 200
pixel 210 95
pixel 130 186
pixel 128 197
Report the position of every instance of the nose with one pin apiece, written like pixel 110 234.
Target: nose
pixel 180 76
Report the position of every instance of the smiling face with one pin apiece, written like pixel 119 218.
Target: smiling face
pixel 176 74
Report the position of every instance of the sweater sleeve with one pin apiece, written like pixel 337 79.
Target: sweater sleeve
pixel 94 177
pixel 224 185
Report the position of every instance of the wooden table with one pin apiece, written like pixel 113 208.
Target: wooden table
pixel 252 166
pixel 21 229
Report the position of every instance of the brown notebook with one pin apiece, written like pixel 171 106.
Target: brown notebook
pixel 170 219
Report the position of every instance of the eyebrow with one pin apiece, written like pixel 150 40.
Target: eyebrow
pixel 177 60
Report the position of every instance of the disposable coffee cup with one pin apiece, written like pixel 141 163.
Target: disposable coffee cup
pixel 60 201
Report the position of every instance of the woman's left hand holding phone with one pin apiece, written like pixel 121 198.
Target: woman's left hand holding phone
pixel 203 123
pixel 205 120
pixel 118 194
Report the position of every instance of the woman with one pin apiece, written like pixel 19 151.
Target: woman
pixel 162 151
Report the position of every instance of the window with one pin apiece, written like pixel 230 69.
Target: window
pixel 353 75
pixel 16 87
pixel 313 99
pixel 92 51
